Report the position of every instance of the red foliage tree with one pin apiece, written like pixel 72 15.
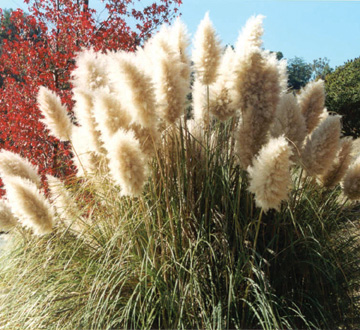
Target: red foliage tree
pixel 41 52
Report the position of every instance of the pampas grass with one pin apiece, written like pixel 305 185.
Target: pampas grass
pixel 322 146
pixel 187 223
pixel 351 181
pixel 7 219
pixel 56 117
pixel 13 165
pixel 311 100
pixel 270 175
pixel 28 204
pixel 206 53
pixel 126 162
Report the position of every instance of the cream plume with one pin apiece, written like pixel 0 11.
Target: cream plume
pixel 251 34
pixel 134 88
pixel 56 117
pixel 85 160
pixel 322 146
pixel 339 167
pixel 207 52
pixel 258 89
pixel 90 73
pixel 7 219
pixel 180 41
pixel 126 162
pixel 12 164
pixel 200 104
pixel 170 87
pixel 289 122
pixel 351 181
pixel 83 110
pixel 311 100
pixel 27 203
pixel 109 114
pixel 147 137
pixel 270 175
pixel 221 105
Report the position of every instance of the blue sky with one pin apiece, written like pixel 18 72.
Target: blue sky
pixel 308 29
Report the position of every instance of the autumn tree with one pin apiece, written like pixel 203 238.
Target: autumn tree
pixel 42 51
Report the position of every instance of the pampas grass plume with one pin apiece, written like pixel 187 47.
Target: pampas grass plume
pixel 207 52
pixel 270 174
pixel 127 163
pixel 110 114
pixel 311 100
pixel 340 165
pixel 12 164
pixel 321 146
pixel 28 204
pixel 134 88
pixel 91 72
pixel 56 117
pixel 7 219
pixel 351 181
pixel 289 122
pixel 251 34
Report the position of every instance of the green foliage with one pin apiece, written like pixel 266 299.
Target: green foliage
pixel 299 72
pixel 343 95
pixel 192 252
pixel 321 68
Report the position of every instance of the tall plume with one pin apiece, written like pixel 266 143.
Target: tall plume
pixel 7 219
pixel 340 165
pixel 126 162
pixel 134 88
pixel 12 164
pixel 28 204
pixel 221 105
pixel 207 52
pixel 270 175
pixel 56 117
pixel 311 100
pixel 351 181
pixel 321 146
pixel 91 72
pixel 289 122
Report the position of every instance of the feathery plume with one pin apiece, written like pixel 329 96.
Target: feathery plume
pixel 200 104
pixel 85 160
pixel 127 163
pixel 258 93
pixel 270 175
pixel 7 219
pixel 289 122
pixel 311 100
pixel 12 164
pixel 170 87
pixel 351 181
pixel 251 34
pixel 27 203
pixel 179 39
pixel 322 146
pixel 147 137
pixel 91 72
pixel 83 110
pixel 56 117
pixel 339 167
pixel 109 114
pixel 134 89
pixel 207 52
pixel 220 100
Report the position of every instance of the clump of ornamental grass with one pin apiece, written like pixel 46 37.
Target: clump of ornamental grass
pixel 233 219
